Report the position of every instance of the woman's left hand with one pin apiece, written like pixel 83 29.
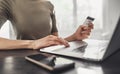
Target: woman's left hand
pixel 82 32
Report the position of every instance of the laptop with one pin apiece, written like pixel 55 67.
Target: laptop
pixel 89 49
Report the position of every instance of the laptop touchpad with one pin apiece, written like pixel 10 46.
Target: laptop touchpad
pixel 80 49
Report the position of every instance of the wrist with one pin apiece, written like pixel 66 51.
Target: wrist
pixel 71 38
pixel 30 44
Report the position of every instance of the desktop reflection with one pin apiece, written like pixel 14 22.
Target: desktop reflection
pixel 8 65
pixel 86 67
pixel 17 65
pixel 90 70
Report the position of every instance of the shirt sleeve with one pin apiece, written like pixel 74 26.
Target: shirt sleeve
pixel 54 27
pixel 53 18
pixel 2 15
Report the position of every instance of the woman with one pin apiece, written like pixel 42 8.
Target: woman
pixel 35 25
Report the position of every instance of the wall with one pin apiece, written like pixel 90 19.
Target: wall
pixel 111 13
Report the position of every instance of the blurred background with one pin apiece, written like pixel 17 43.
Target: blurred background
pixel 70 14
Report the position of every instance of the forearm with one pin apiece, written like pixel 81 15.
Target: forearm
pixel 70 38
pixel 6 44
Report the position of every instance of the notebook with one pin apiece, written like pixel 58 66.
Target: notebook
pixel 95 50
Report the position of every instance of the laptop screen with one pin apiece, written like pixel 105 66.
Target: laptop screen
pixel 114 44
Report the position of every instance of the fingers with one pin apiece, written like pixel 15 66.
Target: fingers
pixel 48 41
pixel 53 43
pixel 61 42
pixel 85 32
pixel 90 25
pixel 54 40
pixel 87 29
pixel 64 42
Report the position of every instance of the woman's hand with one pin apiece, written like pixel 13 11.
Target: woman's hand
pixel 81 33
pixel 48 41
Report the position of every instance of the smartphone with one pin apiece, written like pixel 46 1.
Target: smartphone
pixel 51 62
pixel 88 20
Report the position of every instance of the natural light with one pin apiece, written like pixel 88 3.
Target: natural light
pixel 70 14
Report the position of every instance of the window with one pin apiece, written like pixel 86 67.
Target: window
pixel 72 13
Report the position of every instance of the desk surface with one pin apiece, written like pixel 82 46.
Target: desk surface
pixel 13 62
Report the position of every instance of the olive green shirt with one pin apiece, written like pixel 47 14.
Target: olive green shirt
pixel 31 19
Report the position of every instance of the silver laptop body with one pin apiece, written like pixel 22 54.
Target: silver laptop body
pixel 89 49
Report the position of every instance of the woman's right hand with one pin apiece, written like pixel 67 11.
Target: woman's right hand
pixel 48 41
